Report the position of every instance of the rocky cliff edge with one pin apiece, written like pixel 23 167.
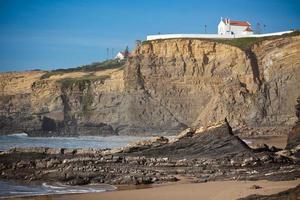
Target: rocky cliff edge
pixel 165 86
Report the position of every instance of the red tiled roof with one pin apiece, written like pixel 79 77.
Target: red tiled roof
pixel 238 23
pixel 248 29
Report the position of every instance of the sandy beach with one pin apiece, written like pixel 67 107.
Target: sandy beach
pixel 277 141
pixel 219 190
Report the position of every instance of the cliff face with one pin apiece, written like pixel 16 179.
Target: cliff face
pixel 67 104
pixel 165 86
pixel 200 81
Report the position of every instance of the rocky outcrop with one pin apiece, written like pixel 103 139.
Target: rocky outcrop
pixel 214 141
pixel 62 105
pixel 199 82
pixel 293 142
pixel 205 154
pixel 166 86
pixel 290 194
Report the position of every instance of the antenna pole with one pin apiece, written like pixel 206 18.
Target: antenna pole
pixel 107 53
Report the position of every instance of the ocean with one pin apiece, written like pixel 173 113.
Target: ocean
pixel 22 140
pixel 10 188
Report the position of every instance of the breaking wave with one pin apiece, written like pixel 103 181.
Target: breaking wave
pixel 12 189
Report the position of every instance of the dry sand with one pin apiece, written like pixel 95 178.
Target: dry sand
pixel 222 190
pixel 277 141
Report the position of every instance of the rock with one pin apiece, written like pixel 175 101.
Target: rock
pixel 40 150
pixel 144 144
pixel 285 153
pixel 54 151
pixel 52 163
pixel 294 135
pixel 40 164
pixel 274 149
pixel 170 179
pixel 291 194
pixel 255 187
pixel 212 153
pixel 261 147
pixel 248 161
pixel 78 181
pixel 147 180
pixel 23 164
pixel 185 133
pixel 215 141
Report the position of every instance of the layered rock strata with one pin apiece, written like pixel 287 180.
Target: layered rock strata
pixel 157 161
pixel 166 86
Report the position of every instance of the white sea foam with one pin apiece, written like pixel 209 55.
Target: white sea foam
pixel 12 189
pixel 53 186
pixel 19 135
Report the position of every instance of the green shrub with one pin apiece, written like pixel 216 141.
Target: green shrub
pixel 246 43
pixel 87 100
pixel 97 66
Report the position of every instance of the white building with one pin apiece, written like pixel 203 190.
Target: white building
pixel 120 56
pixel 234 28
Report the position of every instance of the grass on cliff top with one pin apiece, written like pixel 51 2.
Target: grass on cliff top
pixel 81 81
pixel 247 43
pixel 242 43
pixel 97 66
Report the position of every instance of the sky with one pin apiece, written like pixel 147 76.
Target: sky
pixel 51 34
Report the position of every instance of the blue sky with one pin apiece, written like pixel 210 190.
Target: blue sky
pixel 50 34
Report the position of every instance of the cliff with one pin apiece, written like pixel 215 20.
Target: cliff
pixel 165 86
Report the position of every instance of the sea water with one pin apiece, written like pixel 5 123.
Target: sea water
pixel 12 188
pixel 22 140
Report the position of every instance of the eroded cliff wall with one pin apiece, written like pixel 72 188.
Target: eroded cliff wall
pixel 165 86
pixel 200 81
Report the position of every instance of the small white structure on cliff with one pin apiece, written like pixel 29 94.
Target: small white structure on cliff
pixel 233 27
pixel 120 56
pixel 123 54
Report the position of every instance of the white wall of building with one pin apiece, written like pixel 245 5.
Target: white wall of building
pixel 222 28
pixel 227 29
pixel 215 36
pixel 119 56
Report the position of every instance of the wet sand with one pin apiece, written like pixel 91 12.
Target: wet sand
pixel 219 190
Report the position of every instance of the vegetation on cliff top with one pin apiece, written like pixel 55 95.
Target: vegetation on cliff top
pixel 97 66
pixel 247 43
pixel 81 81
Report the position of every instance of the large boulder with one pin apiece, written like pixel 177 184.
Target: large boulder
pixel 213 141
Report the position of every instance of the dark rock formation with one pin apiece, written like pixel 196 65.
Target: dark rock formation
pixel 294 134
pixel 214 141
pixel 290 194
pixel 200 154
